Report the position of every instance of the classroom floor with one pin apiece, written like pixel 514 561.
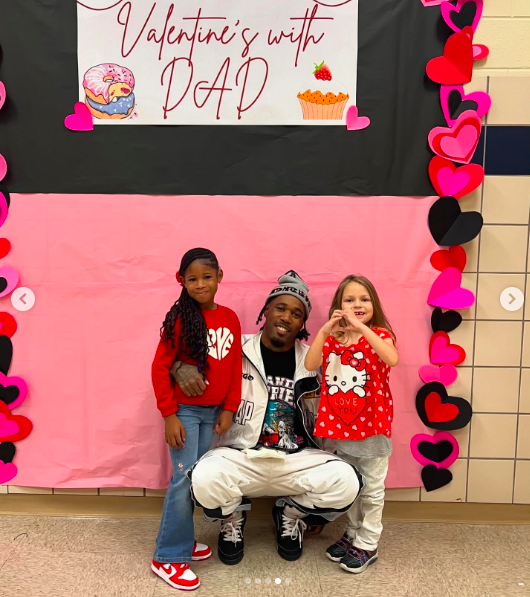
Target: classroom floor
pixel 82 557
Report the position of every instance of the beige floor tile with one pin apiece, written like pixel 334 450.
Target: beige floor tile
pixel 67 574
pixel 463 336
pixel 13 531
pixel 479 83
pixel 75 491
pixel 155 493
pixel 462 436
pixel 523 437
pixel 462 385
pixel 456 490
pixel 526 345
pixel 438 577
pixel 411 494
pixel 92 535
pixel 469 281
pixel 490 481
pixel 3 489
pixel 498 344
pixel 507 107
pixel 490 287
pixel 122 491
pixel 493 436
pixel 522 482
pixel 526 307
pixel 472 256
pixel 503 249
pixel 486 395
pixel 524 400
pixel 29 490
pixel 506 199
pixel 478 539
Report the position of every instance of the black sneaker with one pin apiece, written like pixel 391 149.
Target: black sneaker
pixel 289 535
pixel 339 549
pixel 357 560
pixel 231 546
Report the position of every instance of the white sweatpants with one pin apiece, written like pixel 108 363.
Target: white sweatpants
pixel 315 482
pixel 364 525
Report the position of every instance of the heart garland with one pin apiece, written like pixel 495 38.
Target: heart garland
pixel 450 227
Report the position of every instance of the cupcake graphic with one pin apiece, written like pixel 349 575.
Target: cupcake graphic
pixel 323 99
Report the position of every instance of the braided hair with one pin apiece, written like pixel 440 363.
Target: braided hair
pixel 303 334
pixel 194 333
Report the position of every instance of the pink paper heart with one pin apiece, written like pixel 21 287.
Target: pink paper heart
pixel 7 427
pixel 4 209
pixel 432 2
pixel 20 384
pixel 447 293
pixel 7 472
pixel 480 52
pixel 442 352
pixel 446 374
pixel 434 439
pixel 3 167
pixel 447 9
pixel 2 94
pixel 481 98
pixel 354 122
pixel 462 144
pixel 81 120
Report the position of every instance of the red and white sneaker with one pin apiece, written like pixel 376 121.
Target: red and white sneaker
pixel 200 552
pixel 178 576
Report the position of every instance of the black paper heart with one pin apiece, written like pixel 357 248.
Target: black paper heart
pixel 457 106
pixel 434 478
pixel 437 452
pixel 465 16
pixel 450 226
pixel 7 452
pixel 445 322
pixel 458 421
pixel 6 352
pixel 8 394
pixel 5 193
pixel 3 284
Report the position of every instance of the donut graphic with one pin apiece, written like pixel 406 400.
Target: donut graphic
pixel 109 90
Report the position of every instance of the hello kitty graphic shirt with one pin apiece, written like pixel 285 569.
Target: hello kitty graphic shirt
pixel 356 401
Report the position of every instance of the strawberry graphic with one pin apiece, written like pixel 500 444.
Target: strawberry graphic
pixel 322 72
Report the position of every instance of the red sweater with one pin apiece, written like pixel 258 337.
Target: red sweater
pixel 224 373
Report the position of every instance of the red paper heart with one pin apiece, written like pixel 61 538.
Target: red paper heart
pixel 8 325
pixel 453 181
pixel 459 142
pixel 24 424
pixel 480 52
pixel 437 412
pixel 442 352
pixel 5 247
pixel 456 64
pixel 454 257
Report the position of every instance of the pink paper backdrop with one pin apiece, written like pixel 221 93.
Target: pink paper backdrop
pixel 102 268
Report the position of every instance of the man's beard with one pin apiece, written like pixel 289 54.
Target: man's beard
pixel 277 342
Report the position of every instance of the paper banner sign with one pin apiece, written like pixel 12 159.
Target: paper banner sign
pixel 455 102
pixel 453 257
pixel 8 280
pixel 453 181
pixel 7 452
pixel 442 352
pixel 435 478
pixel 450 226
pixel 8 324
pixel 446 374
pixel 6 354
pixel 13 390
pixel 466 13
pixel 81 120
pixel 440 449
pixel 459 142
pixel 456 64
pixel 438 410
pixel 3 167
pixel 445 322
pixel 447 293
pixel 2 95
pixel 13 428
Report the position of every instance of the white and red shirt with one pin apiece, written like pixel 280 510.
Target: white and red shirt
pixel 224 359
pixel 355 401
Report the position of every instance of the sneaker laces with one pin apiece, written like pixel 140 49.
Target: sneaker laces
pixel 167 567
pixel 293 527
pixel 231 530
pixel 344 542
pixel 357 554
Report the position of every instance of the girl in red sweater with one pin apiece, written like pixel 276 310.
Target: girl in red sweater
pixel 196 331
pixel 356 348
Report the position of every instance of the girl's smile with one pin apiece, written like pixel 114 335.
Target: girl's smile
pixel 357 300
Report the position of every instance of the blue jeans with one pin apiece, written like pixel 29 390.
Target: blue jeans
pixel 176 534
